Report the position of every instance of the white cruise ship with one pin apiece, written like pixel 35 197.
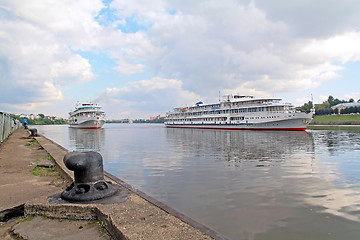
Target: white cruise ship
pixel 87 115
pixel 237 112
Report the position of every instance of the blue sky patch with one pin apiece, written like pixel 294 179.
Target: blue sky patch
pixel 132 26
pixel 172 12
pixel 107 16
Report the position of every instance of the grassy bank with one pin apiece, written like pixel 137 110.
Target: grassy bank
pixel 334 127
pixel 336 122
pixel 336 118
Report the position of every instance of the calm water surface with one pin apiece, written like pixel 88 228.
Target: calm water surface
pixel 244 184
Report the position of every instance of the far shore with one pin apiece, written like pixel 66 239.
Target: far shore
pixel 336 120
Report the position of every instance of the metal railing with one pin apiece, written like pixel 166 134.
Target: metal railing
pixel 8 125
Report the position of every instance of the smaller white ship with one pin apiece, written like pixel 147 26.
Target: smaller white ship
pixel 87 116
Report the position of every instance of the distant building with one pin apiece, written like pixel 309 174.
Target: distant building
pixel 156 117
pixel 342 106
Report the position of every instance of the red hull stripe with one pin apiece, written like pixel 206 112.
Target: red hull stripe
pixel 220 128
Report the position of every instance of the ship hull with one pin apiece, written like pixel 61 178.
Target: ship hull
pixel 286 125
pixel 89 124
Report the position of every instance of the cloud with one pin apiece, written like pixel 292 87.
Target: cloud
pixel 72 68
pixel 27 106
pixel 127 68
pixel 50 92
pixel 186 50
pixel 323 98
pixel 148 97
pixel 238 45
pixel 248 47
pixel 344 48
pixel 353 95
pixel 313 19
pixel 36 42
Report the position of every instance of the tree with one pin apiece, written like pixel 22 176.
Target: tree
pixel 351 100
pixel 337 101
pixel 307 107
pixel 323 105
pixel 41 115
pixel 331 101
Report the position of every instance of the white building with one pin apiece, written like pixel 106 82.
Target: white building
pixel 342 106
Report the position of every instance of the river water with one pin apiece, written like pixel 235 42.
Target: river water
pixel 244 184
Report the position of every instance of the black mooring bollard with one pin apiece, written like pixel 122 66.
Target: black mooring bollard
pixel 33 132
pixel 89 184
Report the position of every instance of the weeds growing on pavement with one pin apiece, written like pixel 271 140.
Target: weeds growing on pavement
pixel 43 171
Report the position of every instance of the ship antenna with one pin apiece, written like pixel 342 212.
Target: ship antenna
pixel 312 101
pixel 219 96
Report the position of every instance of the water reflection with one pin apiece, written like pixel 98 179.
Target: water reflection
pixel 282 179
pixel 87 139
pixel 337 141
pixel 257 148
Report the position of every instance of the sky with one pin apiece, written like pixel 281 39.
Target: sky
pixel 142 58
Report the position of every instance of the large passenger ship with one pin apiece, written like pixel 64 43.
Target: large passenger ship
pixel 87 115
pixel 236 112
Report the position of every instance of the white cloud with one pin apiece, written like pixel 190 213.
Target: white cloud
pixel 196 48
pixel 212 46
pixel 353 95
pixel 323 98
pixel 342 48
pixel 313 19
pixel 73 68
pixel 27 106
pixel 127 68
pixel 50 92
pixel 148 97
pixel 301 101
pixel 36 43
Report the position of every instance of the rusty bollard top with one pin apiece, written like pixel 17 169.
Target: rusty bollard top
pixel 87 166
pixel 89 184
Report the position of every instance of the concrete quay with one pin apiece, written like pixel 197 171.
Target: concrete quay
pixel 23 196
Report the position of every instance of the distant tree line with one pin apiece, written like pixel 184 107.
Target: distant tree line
pixel 42 121
pixel 157 120
pixel 118 121
pixel 350 110
pixel 325 107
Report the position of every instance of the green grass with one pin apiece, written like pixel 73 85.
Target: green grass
pixel 24 219
pixel 32 142
pixel 29 143
pixel 336 118
pixel 43 172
